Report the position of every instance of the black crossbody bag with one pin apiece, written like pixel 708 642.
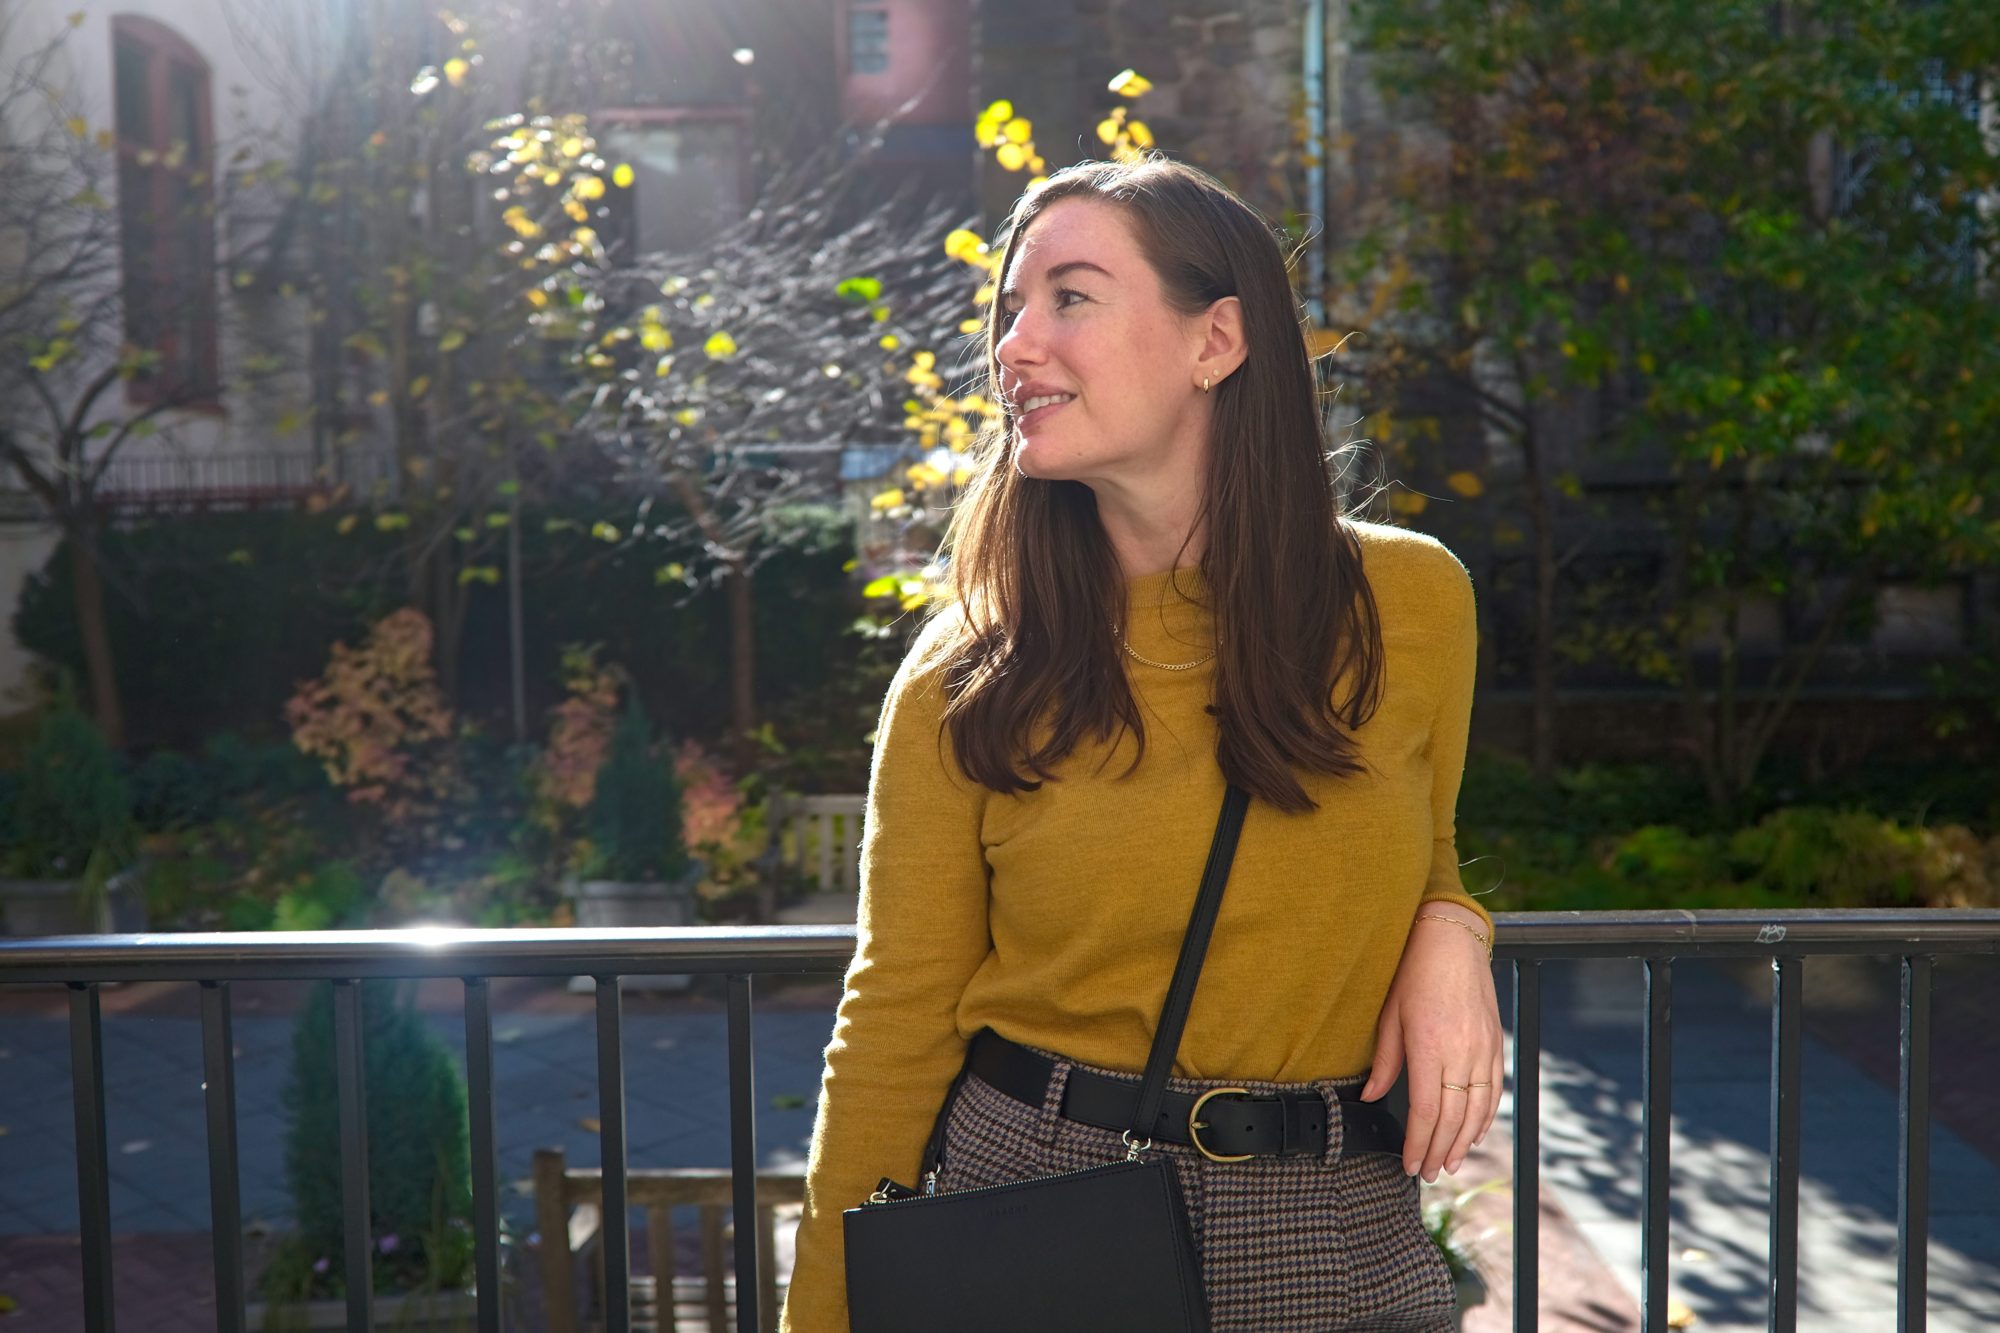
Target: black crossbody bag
pixel 1081 1252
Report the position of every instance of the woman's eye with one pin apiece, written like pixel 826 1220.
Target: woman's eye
pixel 1063 295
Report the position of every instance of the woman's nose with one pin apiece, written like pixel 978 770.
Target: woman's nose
pixel 1020 345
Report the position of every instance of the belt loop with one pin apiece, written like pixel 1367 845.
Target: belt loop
pixel 1336 1125
pixel 1052 1102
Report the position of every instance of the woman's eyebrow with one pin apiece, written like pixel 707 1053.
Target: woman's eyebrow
pixel 1055 272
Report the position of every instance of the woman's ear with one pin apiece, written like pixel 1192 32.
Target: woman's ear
pixel 1222 348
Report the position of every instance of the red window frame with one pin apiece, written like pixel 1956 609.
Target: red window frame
pixel 166 209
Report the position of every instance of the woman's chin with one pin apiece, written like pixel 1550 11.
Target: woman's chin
pixel 1042 463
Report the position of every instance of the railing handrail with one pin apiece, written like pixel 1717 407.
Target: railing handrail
pixel 427 951
pixel 436 951
pixel 1524 939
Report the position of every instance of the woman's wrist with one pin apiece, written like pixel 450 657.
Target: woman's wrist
pixel 1454 915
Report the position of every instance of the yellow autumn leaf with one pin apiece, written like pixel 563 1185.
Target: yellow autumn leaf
pixel 590 187
pixel 452 341
pixel 888 499
pixel 1408 502
pixel 890 342
pixel 1018 130
pixel 1466 484
pixel 655 338
pixel 346 525
pixel 663 367
pixel 78 126
pixel 998 112
pixel 1107 131
pixel 971 325
pixel 924 360
pixel 622 176
pixel 537 298
pixel 1011 156
pixel 1130 83
pixel 1141 136
pixel 963 244
pixel 573 147
pixel 720 346
pixel 455 71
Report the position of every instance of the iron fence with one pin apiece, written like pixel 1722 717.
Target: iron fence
pixel 1523 942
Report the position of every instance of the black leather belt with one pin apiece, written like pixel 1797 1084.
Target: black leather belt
pixel 1231 1124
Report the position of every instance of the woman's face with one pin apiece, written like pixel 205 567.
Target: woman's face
pixel 1096 366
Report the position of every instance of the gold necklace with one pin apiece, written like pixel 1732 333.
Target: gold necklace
pixel 1164 666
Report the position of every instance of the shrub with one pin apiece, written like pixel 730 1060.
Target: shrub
pixel 72 812
pixel 419 1153
pixel 635 816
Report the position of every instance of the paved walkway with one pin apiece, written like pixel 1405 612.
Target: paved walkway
pixel 677 1092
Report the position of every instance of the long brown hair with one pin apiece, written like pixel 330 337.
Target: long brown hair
pixel 1032 664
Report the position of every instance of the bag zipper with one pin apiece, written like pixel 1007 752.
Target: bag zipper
pixel 891 1192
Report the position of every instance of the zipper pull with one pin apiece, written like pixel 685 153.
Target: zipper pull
pixel 930 1183
pixel 890 1192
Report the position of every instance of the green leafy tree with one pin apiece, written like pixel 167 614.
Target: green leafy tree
pixel 1749 245
pixel 79 378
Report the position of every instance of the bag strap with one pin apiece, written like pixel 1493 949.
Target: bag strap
pixel 1187 971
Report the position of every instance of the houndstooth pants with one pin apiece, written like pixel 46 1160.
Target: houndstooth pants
pixel 1288 1244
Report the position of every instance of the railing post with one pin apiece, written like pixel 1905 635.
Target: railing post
pixel 1913 1169
pixel 617 1243
pixel 1786 1013
pixel 350 1074
pixel 1657 1096
pixel 743 1150
pixel 485 1157
pixel 225 1194
pixel 1527 1142
pixel 93 1155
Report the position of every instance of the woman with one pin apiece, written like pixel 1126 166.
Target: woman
pixel 1154 588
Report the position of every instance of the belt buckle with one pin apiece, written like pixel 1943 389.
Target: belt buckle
pixel 1196 1126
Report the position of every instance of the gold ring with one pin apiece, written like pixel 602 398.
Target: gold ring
pixel 1195 1126
pixel 1456 1087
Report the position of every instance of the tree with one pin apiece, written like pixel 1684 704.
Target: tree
pixel 704 366
pixel 84 368
pixel 423 204
pixel 1752 244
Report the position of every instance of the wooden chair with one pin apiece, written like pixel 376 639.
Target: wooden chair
pixel 817 840
pixel 569 1205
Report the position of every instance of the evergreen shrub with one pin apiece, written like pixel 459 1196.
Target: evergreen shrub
pixel 419 1153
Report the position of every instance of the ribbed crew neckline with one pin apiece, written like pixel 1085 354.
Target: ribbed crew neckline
pixel 1167 614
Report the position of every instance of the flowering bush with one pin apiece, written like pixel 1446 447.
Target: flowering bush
pixel 580 735
pixel 377 721
pixel 718 823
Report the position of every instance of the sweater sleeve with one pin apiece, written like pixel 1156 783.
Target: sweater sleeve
pixel 1459 655
pixel 921 934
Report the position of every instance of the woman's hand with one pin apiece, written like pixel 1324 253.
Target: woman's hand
pixel 1443 1013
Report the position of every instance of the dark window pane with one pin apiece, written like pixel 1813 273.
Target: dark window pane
pixel 689 187
pixel 187 89
pixel 134 94
pixel 867 41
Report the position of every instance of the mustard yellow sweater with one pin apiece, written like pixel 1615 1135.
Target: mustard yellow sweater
pixel 1055 916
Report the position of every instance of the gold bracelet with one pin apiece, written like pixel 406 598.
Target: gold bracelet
pixel 1476 934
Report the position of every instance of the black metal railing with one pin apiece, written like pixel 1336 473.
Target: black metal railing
pixel 1524 941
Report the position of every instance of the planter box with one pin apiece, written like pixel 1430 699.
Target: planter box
pixel 55 907
pixel 437 1312
pixel 614 904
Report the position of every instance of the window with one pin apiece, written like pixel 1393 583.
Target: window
pixel 166 150
pixel 692 176
pixel 867 41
